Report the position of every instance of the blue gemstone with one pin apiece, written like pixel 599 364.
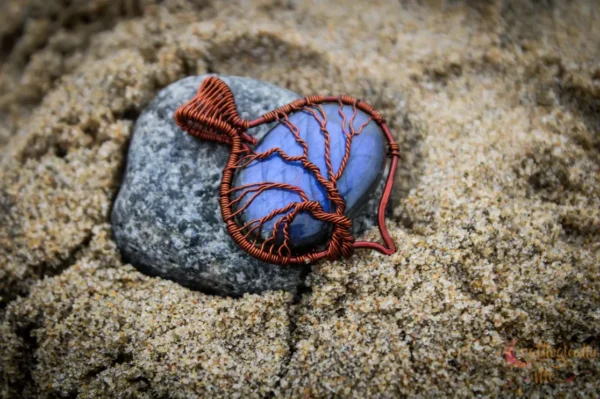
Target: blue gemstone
pixel 360 177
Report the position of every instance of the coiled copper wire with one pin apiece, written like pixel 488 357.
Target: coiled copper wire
pixel 212 115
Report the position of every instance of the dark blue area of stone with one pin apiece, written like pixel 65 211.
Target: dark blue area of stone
pixel 359 179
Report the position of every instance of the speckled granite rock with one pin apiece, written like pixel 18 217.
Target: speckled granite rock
pixel 166 219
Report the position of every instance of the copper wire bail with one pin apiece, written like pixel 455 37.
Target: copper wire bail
pixel 212 115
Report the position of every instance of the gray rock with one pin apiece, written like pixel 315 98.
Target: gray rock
pixel 166 219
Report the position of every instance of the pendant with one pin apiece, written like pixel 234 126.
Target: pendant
pixel 291 197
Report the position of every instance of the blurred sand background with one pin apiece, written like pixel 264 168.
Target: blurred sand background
pixel 496 106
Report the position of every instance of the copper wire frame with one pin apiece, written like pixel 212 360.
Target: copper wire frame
pixel 212 115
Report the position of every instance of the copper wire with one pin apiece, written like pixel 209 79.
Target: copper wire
pixel 212 115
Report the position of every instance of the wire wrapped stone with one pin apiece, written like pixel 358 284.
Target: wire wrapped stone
pixel 212 115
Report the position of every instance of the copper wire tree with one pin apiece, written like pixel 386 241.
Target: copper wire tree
pixel 212 115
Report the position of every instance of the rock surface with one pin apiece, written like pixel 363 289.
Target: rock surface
pixel 360 177
pixel 167 220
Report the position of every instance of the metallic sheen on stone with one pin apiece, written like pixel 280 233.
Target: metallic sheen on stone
pixel 360 177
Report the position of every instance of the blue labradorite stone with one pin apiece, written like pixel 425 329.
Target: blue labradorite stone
pixel 359 179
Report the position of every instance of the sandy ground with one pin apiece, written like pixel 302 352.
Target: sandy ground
pixel 496 106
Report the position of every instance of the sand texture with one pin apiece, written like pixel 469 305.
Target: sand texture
pixel 496 107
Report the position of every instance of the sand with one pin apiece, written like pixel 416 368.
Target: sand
pixel 496 108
